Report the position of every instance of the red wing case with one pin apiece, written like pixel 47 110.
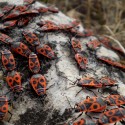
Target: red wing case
pixel 14 81
pixel 3 107
pixel 5 39
pixel 81 60
pixel 34 64
pixel 46 51
pixel 31 38
pixel 8 60
pixel 38 82
pixel 21 49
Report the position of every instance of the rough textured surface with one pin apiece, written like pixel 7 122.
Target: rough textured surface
pixel 30 110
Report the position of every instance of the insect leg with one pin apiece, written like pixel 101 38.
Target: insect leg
pixel 10 116
pixel 121 106
pixel 50 86
pixel 78 92
pixel 88 115
pixel 91 91
pixel 99 91
pixel 8 92
pixel 123 122
pixel 78 116
pixel 95 117
pixel 42 98
pixel 116 86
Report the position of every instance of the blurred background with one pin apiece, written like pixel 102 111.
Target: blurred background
pixel 102 16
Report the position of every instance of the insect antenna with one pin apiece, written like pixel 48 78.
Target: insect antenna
pixel 70 80
pixel 69 102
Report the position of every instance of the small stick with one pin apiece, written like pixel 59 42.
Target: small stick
pixel 109 30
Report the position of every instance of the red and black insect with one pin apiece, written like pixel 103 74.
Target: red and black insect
pixel 107 81
pixel 38 82
pixel 88 32
pixel 42 9
pixel 46 51
pixel 107 42
pixel 8 60
pixel 107 60
pixel 76 45
pixel 111 62
pixel 119 65
pixel 3 107
pixel 47 26
pixel 93 104
pixel 41 23
pixel 53 9
pixel 111 116
pixel 21 49
pixel 81 60
pixel 75 32
pixel 118 49
pixel 65 27
pixel 115 99
pixel 15 12
pixel 30 12
pixel 14 81
pixel 5 39
pixel 34 64
pixel 93 45
pixel 23 21
pixel 31 38
pixel 51 26
pixel 92 83
pixel 89 82
pixel 6 9
pixel 28 2
pixel 82 122
pixel 8 25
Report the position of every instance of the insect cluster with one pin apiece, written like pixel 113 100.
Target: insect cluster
pixel 97 104
pixel 28 47
pixel 104 41
pixel 31 49
pixel 13 16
